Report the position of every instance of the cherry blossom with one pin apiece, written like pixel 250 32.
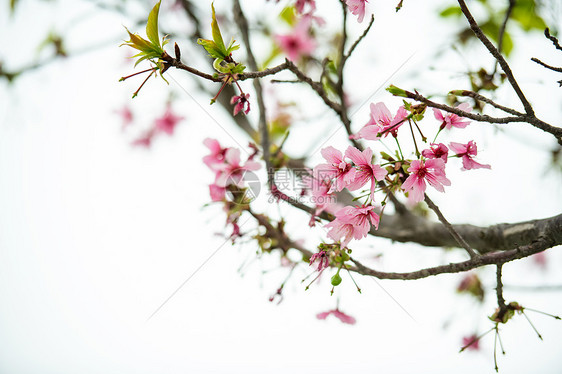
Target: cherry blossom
pixel 382 122
pixel 241 102
pixel 167 122
pixel 357 7
pixel 231 171
pixel 299 42
pixel 145 140
pixel 471 342
pixel 352 222
pixel 321 196
pixel 217 153
pixel 452 120
pixel 467 152
pixel 436 151
pixel 300 4
pixel 217 192
pixel 126 115
pixel 431 170
pixel 338 314
pixel 336 168
pixel 365 171
pixel 322 258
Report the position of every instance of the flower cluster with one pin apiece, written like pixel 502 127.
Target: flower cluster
pixel 355 169
pixel 229 172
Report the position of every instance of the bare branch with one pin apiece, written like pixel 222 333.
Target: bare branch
pixel 497 55
pixel 449 227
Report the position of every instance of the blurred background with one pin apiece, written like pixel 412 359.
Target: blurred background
pixel 97 230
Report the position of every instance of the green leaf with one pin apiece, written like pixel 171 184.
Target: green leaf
pixel 288 14
pixel 217 37
pixel 451 12
pixel 396 91
pixel 152 25
pixel 211 47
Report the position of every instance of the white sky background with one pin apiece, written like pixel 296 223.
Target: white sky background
pixel 95 234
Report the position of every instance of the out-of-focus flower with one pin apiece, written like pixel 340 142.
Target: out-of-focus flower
pixel 167 123
pixel 298 43
pixel 357 7
pixel 338 314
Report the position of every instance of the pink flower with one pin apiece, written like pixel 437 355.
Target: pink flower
pixel 231 171
pixel 365 171
pixel 338 314
pixel 300 4
pixel 467 152
pixel 451 119
pixel 382 123
pixel 167 122
pixel 436 151
pixel 471 342
pixel 217 192
pixel 298 43
pixel 336 168
pixel 352 222
pixel 241 102
pixel 357 7
pixel 322 258
pixel 321 195
pixel 217 153
pixel 126 115
pixel 431 170
pixel 145 140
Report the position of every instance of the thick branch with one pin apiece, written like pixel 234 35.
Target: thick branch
pixel 488 259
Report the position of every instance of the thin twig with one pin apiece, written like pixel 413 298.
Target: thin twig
pixel 502 30
pixel 499 287
pixel 242 23
pixel 497 55
pixel 479 97
pixel 449 227
pixel 530 119
pixel 553 68
pixel 360 38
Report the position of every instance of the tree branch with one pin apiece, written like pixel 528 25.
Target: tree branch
pixel 497 55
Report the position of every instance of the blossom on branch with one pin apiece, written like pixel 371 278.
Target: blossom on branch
pixel 352 222
pixel 217 153
pixel 365 171
pixel 432 171
pixel 450 120
pixel 381 123
pixel 436 151
pixel 336 168
pixel 322 258
pixel 467 152
pixel 357 7
pixel 241 102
